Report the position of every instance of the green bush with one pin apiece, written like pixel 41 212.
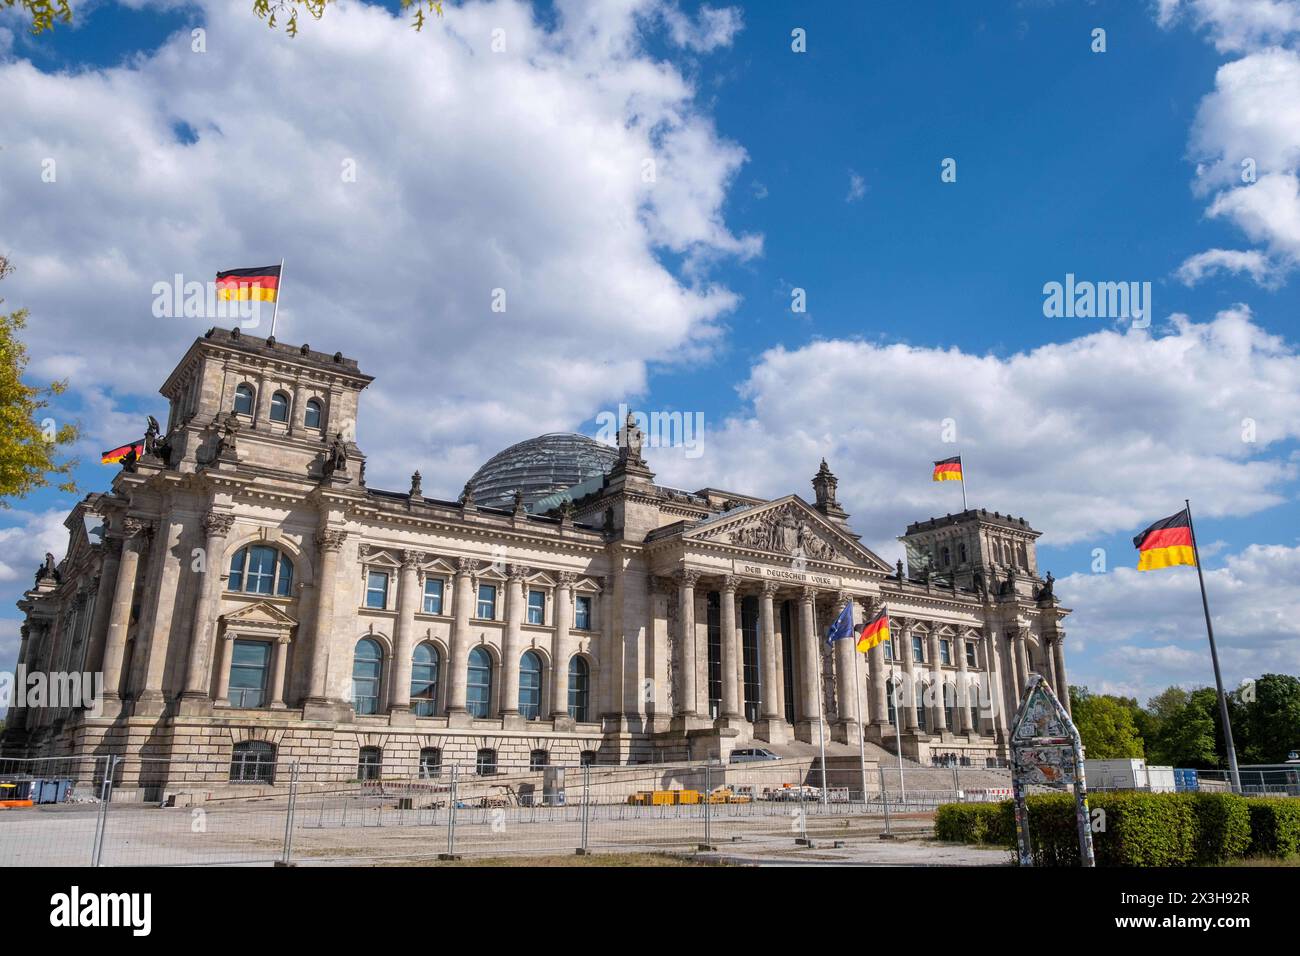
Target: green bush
pixel 1274 826
pixel 1222 827
pixel 987 823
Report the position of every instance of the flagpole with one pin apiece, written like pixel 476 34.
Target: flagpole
pixel 862 747
pixel 279 284
pixel 964 506
pixel 898 725
pixel 1214 656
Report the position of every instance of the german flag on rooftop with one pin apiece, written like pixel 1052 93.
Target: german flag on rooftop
pixel 948 470
pixel 115 455
pixel 1166 543
pixel 875 631
pixel 259 284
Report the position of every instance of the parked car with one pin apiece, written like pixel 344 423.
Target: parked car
pixel 751 754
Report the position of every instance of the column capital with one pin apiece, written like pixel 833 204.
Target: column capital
pixel 808 595
pixel 769 589
pixel 217 524
pixel 842 598
pixel 411 560
pixel 518 572
pixel 331 539
pixel 466 566
pixel 730 582
pixel 566 579
pixel 136 528
pixel 687 577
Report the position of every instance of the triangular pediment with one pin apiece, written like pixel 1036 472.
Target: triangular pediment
pixel 260 615
pixel 788 528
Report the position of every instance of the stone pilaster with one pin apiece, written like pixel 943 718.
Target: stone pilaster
pixel 687 705
pixel 730 650
pixel 198 676
pixel 513 640
pixel 907 715
pixel 408 600
pixel 135 536
pixel 330 541
pixel 278 670
pixel 1057 647
pixel 938 721
pixel 562 648
pixel 458 660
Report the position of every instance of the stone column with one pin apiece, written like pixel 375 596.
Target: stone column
pixel 907 721
pixel 1012 668
pixel 299 409
pixel 408 599
pixel 135 540
pixel 879 691
pixel 460 636
pixel 513 640
pixel 1022 660
pixel 686 581
pixel 198 678
pixel 961 714
pixel 609 679
pixel 330 541
pixel 992 686
pixel 277 673
pixel 767 638
pixel 809 704
pixel 222 663
pixel 730 648
pixel 103 608
pixel 846 691
pixel 563 648
pixel 939 724
pixel 1058 658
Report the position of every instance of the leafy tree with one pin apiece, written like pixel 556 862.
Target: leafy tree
pixel 1186 729
pixel 1105 724
pixel 27 445
pixel 45 13
pixel 1269 725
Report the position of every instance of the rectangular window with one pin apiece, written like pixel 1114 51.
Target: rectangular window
pixel 433 596
pixel 889 646
pixel 536 607
pixel 970 653
pixel 582 612
pixel 918 649
pixel 487 602
pixel 945 651
pixel 377 590
pixel 248 667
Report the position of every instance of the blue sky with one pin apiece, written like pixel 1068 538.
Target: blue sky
pixel 776 170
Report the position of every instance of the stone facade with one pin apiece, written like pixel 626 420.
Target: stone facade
pixel 240 582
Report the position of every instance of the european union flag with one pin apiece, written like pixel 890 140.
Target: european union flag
pixel 843 626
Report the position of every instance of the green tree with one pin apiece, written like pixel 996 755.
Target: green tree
pixel 1105 724
pixel 1266 724
pixel 28 444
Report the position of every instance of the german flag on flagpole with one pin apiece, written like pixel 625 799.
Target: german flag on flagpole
pixel 875 631
pixel 260 284
pixel 115 455
pixel 1166 543
pixel 948 470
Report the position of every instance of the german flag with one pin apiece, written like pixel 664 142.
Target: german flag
pixel 875 631
pixel 1166 543
pixel 261 284
pixel 948 470
pixel 117 454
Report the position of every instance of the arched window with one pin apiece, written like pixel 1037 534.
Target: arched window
pixel 253 762
pixel 279 407
pixel 424 680
pixel 538 759
pixel 949 705
pixel 367 666
pixel 578 688
pixel 312 416
pixel 920 707
pixel 530 686
pixel 430 763
pixel 486 763
pixel 244 396
pixel 891 701
pixel 478 691
pixel 260 569
pixel 369 763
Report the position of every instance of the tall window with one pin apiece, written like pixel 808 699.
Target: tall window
pixel 530 686
pixel 260 569
pixel 921 714
pixel 714 617
pixel 369 762
pixel 433 595
pixel 253 762
pixel 312 417
pixel 970 653
pixel 538 759
pixel 424 680
pixel 582 612
pixel 367 666
pixel 891 701
pixel 430 763
pixel 751 688
pixel 486 763
pixel 949 705
pixel 918 649
pixel 279 407
pixel 487 602
pixel 244 400
pixel 579 689
pixel 536 607
pixel 945 651
pixel 377 589
pixel 478 692
pixel 961 553
pixel 248 669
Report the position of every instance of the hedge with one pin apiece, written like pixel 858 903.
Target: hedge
pixel 1135 829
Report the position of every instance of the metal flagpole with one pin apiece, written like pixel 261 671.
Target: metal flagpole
pixel 862 747
pixel 821 705
pixel 898 733
pixel 1214 656
pixel 964 506
pixel 276 311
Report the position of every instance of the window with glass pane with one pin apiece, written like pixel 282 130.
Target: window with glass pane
pixel 253 761
pixel 369 763
pixel 892 702
pixel 487 602
pixel 582 612
pixel 536 607
pixel 367 666
pixel 244 400
pixel 312 417
pixel 920 707
pixel 889 646
pixel 433 595
pixel 538 759
pixel 587 758
pixel 260 576
pixel 236 581
pixel 579 692
pixel 279 407
pixel 377 589
pixel 430 763
pixel 945 651
pixel 478 691
pixel 918 649
pixel 424 680
pixel 486 763
pixel 949 704
pixel 260 570
pixel 249 663
pixel 970 653
pixel 530 686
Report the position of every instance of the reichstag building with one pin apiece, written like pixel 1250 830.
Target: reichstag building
pixel 249 598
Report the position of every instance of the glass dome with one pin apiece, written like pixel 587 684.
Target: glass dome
pixel 540 467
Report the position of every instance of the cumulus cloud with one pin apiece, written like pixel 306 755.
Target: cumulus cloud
pixel 1235 26
pixel 714 27
pixel 404 177
pixel 23 544
pixel 1212 261
pixel 1084 437
pixel 857 187
pixel 1145 631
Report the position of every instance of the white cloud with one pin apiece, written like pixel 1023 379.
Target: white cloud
pixel 1212 261
pixel 23 545
pixel 713 28
pixel 1083 438
pixel 1235 26
pixel 475 170
pixel 857 187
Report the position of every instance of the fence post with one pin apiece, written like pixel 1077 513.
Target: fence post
pixel 106 797
pixel 586 804
pixel 289 813
pixel 451 814
pixel 956 788
pixel 884 799
pixel 708 803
